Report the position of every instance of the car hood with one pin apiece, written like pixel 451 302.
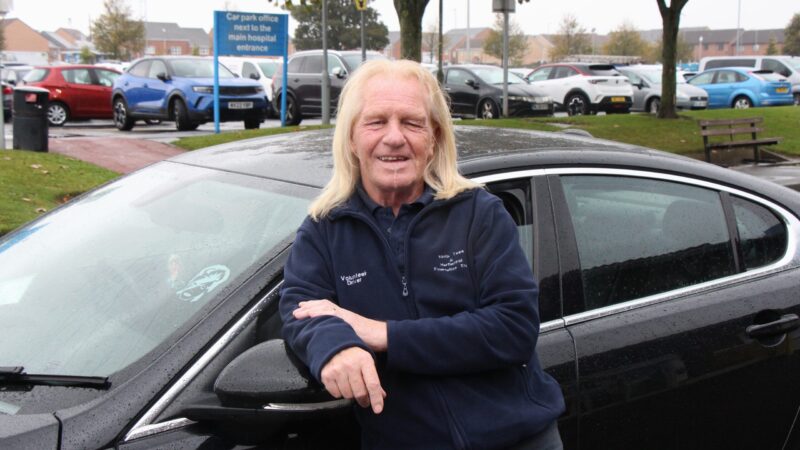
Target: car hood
pixel 690 90
pixel 524 89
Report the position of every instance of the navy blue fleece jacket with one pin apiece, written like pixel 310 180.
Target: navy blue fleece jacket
pixel 462 318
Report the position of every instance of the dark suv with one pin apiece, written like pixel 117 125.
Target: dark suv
pixel 182 89
pixel 304 90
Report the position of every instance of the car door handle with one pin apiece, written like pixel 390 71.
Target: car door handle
pixel 447 89
pixel 787 323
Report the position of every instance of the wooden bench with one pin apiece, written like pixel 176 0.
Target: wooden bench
pixel 732 128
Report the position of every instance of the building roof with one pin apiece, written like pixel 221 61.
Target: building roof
pixel 751 37
pixel 157 31
pixel 76 35
pixel 58 41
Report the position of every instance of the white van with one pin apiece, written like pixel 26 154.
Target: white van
pixel 259 69
pixel 788 66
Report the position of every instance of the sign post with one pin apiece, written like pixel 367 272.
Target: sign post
pixel 250 34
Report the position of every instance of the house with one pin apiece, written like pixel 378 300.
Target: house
pixel 168 38
pixel 68 46
pixel 24 44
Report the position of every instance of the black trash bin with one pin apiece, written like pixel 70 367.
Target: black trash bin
pixel 30 118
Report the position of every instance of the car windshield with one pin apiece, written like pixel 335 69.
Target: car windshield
pixel 198 68
pixel 494 75
pixel 354 60
pixel 94 286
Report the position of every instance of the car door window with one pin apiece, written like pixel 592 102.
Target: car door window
pixel 457 77
pixel 541 74
pixel 157 67
pixel 638 237
pixel 296 64
pixel 564 72
pixel 105 77
pixel 77 76
pixel 141 69
pixel 725 77
pixel 334 62
pixel 250 71
pixel 703 78
pixel 762 236
pixel 313 64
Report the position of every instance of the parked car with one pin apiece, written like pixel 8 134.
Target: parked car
pixel 739 87
pixel 143 314
pixel 304 90
pixel 181 89
pixel 787 66
pixel 14 73
pixel 76 91
pixel 477 91
pixel 259 69
pixel 584 88
pixel 646 82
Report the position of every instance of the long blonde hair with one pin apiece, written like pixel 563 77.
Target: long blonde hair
pixel 441 173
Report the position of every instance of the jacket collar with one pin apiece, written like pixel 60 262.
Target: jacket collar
pixel 355 206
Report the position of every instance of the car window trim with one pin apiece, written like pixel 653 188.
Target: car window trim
pixel 144 426
pixel 790 259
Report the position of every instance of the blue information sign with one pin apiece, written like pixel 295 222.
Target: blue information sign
pixel 255 34
pixel 239 33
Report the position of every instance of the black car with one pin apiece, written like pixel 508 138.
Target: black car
pixel 304 90
pixel 477 91
pixel 144 314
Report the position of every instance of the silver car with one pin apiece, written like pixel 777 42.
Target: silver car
pixel 646 81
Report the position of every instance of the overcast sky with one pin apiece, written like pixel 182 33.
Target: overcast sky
pixel 535 17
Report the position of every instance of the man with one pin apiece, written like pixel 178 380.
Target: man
pixel 406 288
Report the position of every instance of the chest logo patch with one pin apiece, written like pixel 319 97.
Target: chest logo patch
pixel 450 262
pixel 354 278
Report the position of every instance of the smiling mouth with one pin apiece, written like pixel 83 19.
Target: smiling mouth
pixel 392 158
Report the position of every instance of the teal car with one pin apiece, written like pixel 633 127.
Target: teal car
pixel 733 87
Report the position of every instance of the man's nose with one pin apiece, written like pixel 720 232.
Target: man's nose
pixel 394 134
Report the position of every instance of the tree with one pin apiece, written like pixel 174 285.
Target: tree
pixel 625 41
pixel 772 47
pixel 683 51
pixel 115 33
pixel 791 37
pixel 409 13
pixel 431 41
pixel 87 57
pixel 517 41
pixel 343 26
pixel 570 40
pixel 670 20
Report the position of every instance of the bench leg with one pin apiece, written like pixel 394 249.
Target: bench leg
pixel 756 154
pixel 708 154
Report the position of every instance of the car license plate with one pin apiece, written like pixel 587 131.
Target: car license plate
pixel 782 90
pixel 699 104
pixel 240 105
pixel 617 99
pixel 541 106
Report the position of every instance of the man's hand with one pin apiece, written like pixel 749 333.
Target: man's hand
pixel 351 373
pixel 372 332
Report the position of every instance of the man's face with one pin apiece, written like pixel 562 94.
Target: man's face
pixel 393 139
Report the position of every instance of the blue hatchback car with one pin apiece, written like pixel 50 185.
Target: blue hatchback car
pixel 182 89
pixel 733 87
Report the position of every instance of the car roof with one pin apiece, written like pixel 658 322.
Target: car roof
pixel 304 158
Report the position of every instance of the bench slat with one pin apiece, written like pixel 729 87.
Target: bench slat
pixel 721 122
pixel 750 143
pixel 729 131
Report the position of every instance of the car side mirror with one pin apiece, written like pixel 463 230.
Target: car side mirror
pixel 338 72
pixel 266 385
pixel 472 83
pixel 255 76
pixel 162 76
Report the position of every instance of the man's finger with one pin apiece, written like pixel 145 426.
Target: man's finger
pixel 359 390
pixel 374 388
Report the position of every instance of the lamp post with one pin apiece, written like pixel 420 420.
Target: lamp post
pixel 700 48
pixel 5 7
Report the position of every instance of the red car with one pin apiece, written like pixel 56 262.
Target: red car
pixel 76 91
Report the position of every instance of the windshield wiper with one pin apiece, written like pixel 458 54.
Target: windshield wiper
pixel 16 376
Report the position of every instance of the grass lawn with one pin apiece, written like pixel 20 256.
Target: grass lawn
pixel 33 183
pixel 196 142
pixel 677 136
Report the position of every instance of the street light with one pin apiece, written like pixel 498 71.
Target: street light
pixel 5 7
pixel 700 48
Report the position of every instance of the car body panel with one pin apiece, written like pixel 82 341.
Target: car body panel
pixel 81 88
pixel 647 88
pixel 466 99
pixel 730 83
pixel 650 372
pixel 603 92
